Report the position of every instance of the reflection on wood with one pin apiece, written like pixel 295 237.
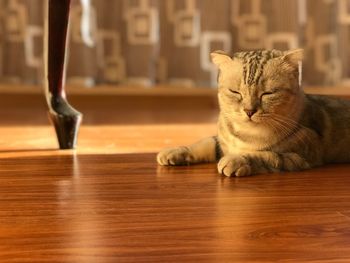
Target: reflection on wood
pixel 124 208
pixel 108 201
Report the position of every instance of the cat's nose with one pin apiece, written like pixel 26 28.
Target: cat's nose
pixel 250 112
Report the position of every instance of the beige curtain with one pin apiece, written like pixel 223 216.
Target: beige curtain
pixel 169 41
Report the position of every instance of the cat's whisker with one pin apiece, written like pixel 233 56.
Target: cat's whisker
pixel 286 131
pixel 280 128
pixel 275 130
pixel 304 139
pixel 288 120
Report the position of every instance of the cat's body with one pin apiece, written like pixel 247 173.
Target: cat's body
pixel 266 122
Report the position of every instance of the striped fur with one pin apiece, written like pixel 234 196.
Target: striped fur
pixel 253 63
pixel 288 130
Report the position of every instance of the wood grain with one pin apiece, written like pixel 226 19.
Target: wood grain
pixel 110 202
pixel 124 208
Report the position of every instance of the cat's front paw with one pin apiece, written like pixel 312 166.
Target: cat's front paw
pixel 175 156
pixel 232 165
pixel 294 162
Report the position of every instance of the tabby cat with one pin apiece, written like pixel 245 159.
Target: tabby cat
pixel 266 122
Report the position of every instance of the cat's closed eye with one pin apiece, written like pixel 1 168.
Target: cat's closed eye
pixel 236 94
pixel 266 94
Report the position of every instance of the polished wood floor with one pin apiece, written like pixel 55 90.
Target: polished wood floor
pixel 108 201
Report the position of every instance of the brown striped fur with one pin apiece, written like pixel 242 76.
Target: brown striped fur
pixel 266 122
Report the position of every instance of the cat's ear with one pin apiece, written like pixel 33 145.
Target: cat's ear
pixel 293 57
pixel 220 58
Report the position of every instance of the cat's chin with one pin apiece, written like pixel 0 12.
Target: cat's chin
pixel 254 124
pixel 248 125
pixel 254 129
pixel 252 121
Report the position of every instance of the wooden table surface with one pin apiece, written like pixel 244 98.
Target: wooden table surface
pixel 108 201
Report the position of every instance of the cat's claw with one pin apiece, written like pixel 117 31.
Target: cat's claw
pixel 175 156
pixel 234 166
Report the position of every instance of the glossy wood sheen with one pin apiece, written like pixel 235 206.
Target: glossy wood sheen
pixel 124 208
pixel 108 201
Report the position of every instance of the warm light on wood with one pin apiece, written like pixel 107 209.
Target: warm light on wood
pixel 109 201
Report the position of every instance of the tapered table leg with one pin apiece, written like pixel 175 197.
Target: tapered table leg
pixel 64 117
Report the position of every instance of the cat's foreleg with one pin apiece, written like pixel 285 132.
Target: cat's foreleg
pixel 204 151
pixel 261 162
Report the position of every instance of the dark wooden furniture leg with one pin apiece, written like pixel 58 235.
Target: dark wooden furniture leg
pixel 64 117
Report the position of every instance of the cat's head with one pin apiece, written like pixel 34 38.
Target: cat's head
pixel 258 86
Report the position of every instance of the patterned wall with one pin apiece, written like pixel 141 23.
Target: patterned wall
pixel 169 41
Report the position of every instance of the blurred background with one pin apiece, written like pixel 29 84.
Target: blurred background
pixel 167 42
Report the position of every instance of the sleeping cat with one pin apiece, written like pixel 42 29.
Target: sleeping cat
pixel 266 122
